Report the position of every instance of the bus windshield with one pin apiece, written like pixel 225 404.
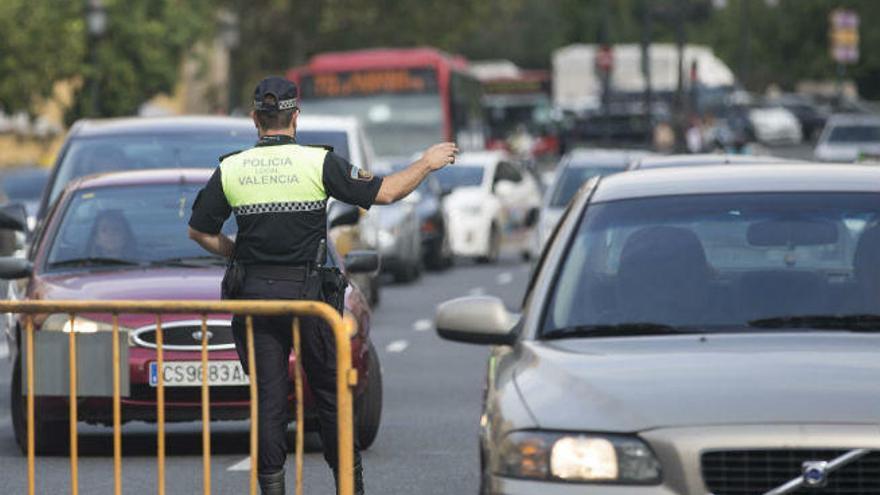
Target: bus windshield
pixel 397 124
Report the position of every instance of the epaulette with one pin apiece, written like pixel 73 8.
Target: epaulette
pixel 227 155
pixel 325 146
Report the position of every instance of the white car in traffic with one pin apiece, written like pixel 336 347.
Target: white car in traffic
pixel 849 138
pixel 492 201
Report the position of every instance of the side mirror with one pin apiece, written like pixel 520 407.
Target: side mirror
pixel 532 217
pixel 12 268
pixel 362 262
pixel 14 217
pixel 476 320
pixel 341 213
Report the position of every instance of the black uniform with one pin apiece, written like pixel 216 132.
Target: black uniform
pixel 277 245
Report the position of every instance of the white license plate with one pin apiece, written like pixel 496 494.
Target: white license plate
pixel 189 373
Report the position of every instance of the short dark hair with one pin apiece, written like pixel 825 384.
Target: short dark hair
pixel 274 120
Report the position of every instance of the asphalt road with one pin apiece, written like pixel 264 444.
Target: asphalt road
pixel 427 443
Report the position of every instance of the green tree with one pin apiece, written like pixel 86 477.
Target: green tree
pixel 41 42
pixel 139 55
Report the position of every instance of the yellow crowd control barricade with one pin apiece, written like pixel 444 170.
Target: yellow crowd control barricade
pixel 346 378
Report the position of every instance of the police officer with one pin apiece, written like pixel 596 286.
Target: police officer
pixel 278 192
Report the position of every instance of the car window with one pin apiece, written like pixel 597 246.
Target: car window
pixel 337 139
pixel 92 155
pixel 572 178
pixel 24 185
pixel 139 224
pixel 459 175
pixel 854 134
pixel 508 172
pixel 720 260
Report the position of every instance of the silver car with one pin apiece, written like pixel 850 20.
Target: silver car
pixel 849 138
pixel 702 330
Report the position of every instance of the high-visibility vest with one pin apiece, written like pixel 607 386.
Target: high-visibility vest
pixel 274 179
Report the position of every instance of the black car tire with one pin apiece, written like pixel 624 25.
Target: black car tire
pixel 50 436
pixel 368 409
pixel 494 247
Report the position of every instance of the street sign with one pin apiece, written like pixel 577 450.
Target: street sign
pixel 844 36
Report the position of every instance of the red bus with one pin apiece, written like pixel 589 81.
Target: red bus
pixel 406 99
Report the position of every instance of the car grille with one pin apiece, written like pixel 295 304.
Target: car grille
pixel 186 336
pixel 751 472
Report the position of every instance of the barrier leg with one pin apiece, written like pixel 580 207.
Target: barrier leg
pixel 117 412
pixel 29 329
pixel 74 447
pixel 252 376
pixel 160 410
pixel 300 426
pixel 206 412
pixel 346 377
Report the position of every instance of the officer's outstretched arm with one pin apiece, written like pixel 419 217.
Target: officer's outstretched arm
pixel 214 243
pixel 398 185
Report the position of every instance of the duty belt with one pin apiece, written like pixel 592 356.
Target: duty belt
pixel 278 272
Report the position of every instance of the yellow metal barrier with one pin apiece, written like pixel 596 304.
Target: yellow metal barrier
pixel 346 379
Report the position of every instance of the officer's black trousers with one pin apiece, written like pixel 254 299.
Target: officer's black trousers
pixel 273 341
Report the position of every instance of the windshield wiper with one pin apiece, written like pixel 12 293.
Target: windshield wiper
pixel 853 323
pixel 617 330
pixel 191 261
pixel 94 260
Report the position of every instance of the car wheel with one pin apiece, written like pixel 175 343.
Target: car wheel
pixel 369 404
pixel 494 247
pixel 50 437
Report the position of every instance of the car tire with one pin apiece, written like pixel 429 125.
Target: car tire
pixel 494 247
pixel 50 437
pixel 368 409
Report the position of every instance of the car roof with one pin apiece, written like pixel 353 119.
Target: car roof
pixel 480 158
pixel 854 119
pixel 143 177
pixel 726 179
pixel 588 157
pixel 691 160
pixel 162 125
pixel 198 123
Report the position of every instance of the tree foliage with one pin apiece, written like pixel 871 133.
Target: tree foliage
pixel 41 42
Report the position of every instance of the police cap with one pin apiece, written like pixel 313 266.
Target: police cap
pixel 282 91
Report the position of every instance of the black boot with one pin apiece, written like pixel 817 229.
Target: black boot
pixel 272 484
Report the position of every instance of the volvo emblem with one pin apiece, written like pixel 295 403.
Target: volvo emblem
pixel 815 473
pixel 197 335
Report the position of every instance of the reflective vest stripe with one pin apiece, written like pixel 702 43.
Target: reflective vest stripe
pixel 283 177
pixel 280 207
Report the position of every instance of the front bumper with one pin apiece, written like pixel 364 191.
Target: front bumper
pixel 469 235
pixel 512 486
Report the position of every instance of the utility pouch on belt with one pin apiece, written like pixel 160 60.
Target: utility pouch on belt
pixel 233 280
pixel 325 283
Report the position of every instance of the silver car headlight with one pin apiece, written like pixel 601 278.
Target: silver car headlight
pixel 578 458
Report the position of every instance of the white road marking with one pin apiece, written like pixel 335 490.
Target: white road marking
pixel 243 465
pixel 477 291
pixel 397 346
pixel 423 325
pixel 4 348
pixel 504 278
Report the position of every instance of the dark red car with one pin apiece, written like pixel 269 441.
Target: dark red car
pixel 123 236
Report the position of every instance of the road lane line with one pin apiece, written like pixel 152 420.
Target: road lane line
pixel 477 291
pixel 4 348
pixel 243 465
pixel 423 325
pixel 397 346
pixel 504 278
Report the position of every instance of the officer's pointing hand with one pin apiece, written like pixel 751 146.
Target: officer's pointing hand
pixel 440 155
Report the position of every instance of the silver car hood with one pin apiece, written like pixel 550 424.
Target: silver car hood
pixel 638 383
